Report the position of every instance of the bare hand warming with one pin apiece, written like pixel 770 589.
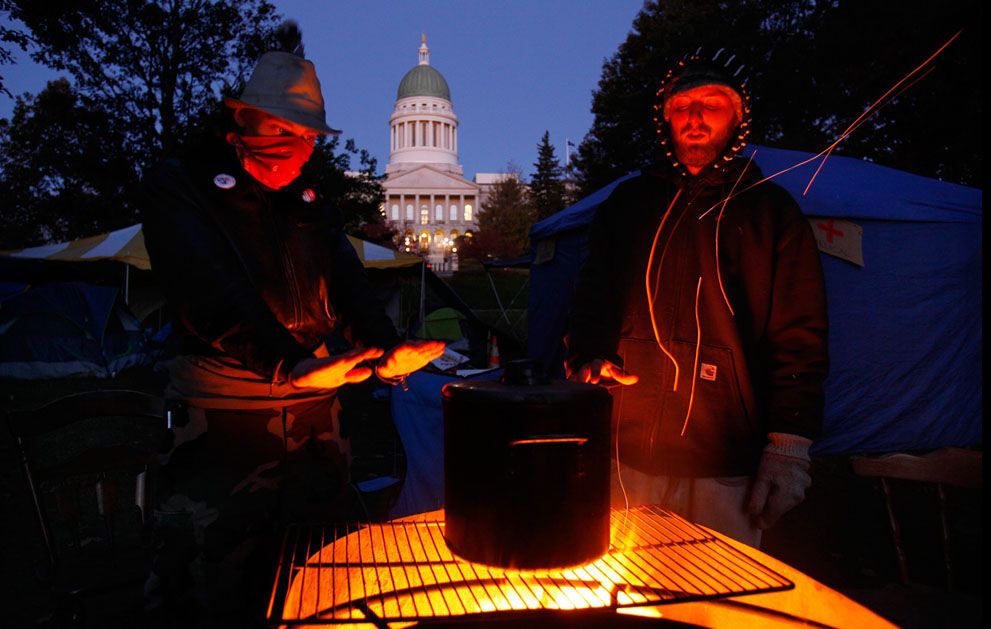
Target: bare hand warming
pixel 333 371
pixel 408 357
pixel 598 370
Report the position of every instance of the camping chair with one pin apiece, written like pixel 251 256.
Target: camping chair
pixel 946 466
pixel 88 462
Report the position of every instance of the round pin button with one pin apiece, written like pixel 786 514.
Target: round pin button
pixel 224 181
pixel 309 195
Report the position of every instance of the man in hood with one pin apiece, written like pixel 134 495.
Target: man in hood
pixel 702 301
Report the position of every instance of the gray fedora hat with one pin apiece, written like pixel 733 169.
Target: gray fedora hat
pixel 286 86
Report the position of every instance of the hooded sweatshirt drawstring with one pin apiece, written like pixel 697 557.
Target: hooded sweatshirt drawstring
pixel 652 297
pixel 719 219
pixel 695 367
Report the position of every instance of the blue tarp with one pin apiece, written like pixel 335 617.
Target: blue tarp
pixel 905 329
pixel 419 421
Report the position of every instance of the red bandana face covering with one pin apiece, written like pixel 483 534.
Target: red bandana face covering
pixel 273 160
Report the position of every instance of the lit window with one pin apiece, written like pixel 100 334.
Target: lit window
pixel 438 236
pixel 395 211
pixel 409 212
pixel 424 215
pixel 468 212
pixel 454 234
pixel 454 212
pixel 439 212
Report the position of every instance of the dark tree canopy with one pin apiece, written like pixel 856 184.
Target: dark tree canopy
pixel 144 79
pixel 356 189
pixel 9 36
pixel 154 66
pixel 547 193
pixel 813 67
pixel 61 173
pixel 504 223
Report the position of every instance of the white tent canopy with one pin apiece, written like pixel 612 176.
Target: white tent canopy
pixel 127 245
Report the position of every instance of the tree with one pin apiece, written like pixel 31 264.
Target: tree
pixel 812 68
pixel 61 174
pixel 155 67
pixel 9 36
pixel 356 193
pixel 146 78
pixel 143 75
pixel 504 222
pixel 547 193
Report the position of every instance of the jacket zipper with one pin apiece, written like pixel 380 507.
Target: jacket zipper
pixel 287 268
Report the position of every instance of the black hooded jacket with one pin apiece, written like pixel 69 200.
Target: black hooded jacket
pixel 258 275
pixel 734 346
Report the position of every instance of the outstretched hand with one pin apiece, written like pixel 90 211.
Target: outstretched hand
pixel 334 371
pixel 599 370
pixel 407 357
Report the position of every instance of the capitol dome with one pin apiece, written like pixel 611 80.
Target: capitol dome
pixel 423 80
pixel 423 125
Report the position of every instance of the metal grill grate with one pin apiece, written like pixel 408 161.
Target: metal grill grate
pixel 404 571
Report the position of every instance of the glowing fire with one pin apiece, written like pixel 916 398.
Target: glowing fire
pixel 404 571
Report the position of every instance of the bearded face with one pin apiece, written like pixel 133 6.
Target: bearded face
pixel 703 121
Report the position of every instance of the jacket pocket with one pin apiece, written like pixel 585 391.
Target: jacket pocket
pixel 638 409
pixel 656 428
pixel 713 420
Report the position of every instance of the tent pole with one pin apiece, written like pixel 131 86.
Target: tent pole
pixel 496 293
pixel 127 284
pixel 423 292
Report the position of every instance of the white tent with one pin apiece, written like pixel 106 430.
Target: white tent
pixel 127 245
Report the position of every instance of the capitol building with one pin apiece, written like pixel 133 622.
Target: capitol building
pixel 428 201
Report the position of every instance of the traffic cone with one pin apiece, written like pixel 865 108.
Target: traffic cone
pixel 493 352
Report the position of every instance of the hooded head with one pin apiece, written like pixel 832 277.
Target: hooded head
pixel 702 111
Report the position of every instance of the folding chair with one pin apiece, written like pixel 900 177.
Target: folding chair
pixel 88 462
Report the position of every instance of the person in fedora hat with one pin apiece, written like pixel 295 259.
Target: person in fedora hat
pixel 262 280
pixel 703 299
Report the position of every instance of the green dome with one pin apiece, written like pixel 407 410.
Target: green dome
pixel 423 80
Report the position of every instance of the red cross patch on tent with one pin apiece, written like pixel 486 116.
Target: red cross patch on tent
pixel 841 239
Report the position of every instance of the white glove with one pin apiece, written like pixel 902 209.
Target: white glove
pixel 782 478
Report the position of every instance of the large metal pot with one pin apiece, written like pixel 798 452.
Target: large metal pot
pixel 526 470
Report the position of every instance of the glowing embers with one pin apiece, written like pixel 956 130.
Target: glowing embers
pixel 404 571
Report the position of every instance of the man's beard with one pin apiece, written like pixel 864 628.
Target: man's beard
pixel 699 155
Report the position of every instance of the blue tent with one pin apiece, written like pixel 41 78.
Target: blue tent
pixel 67 329
pixel 905 328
